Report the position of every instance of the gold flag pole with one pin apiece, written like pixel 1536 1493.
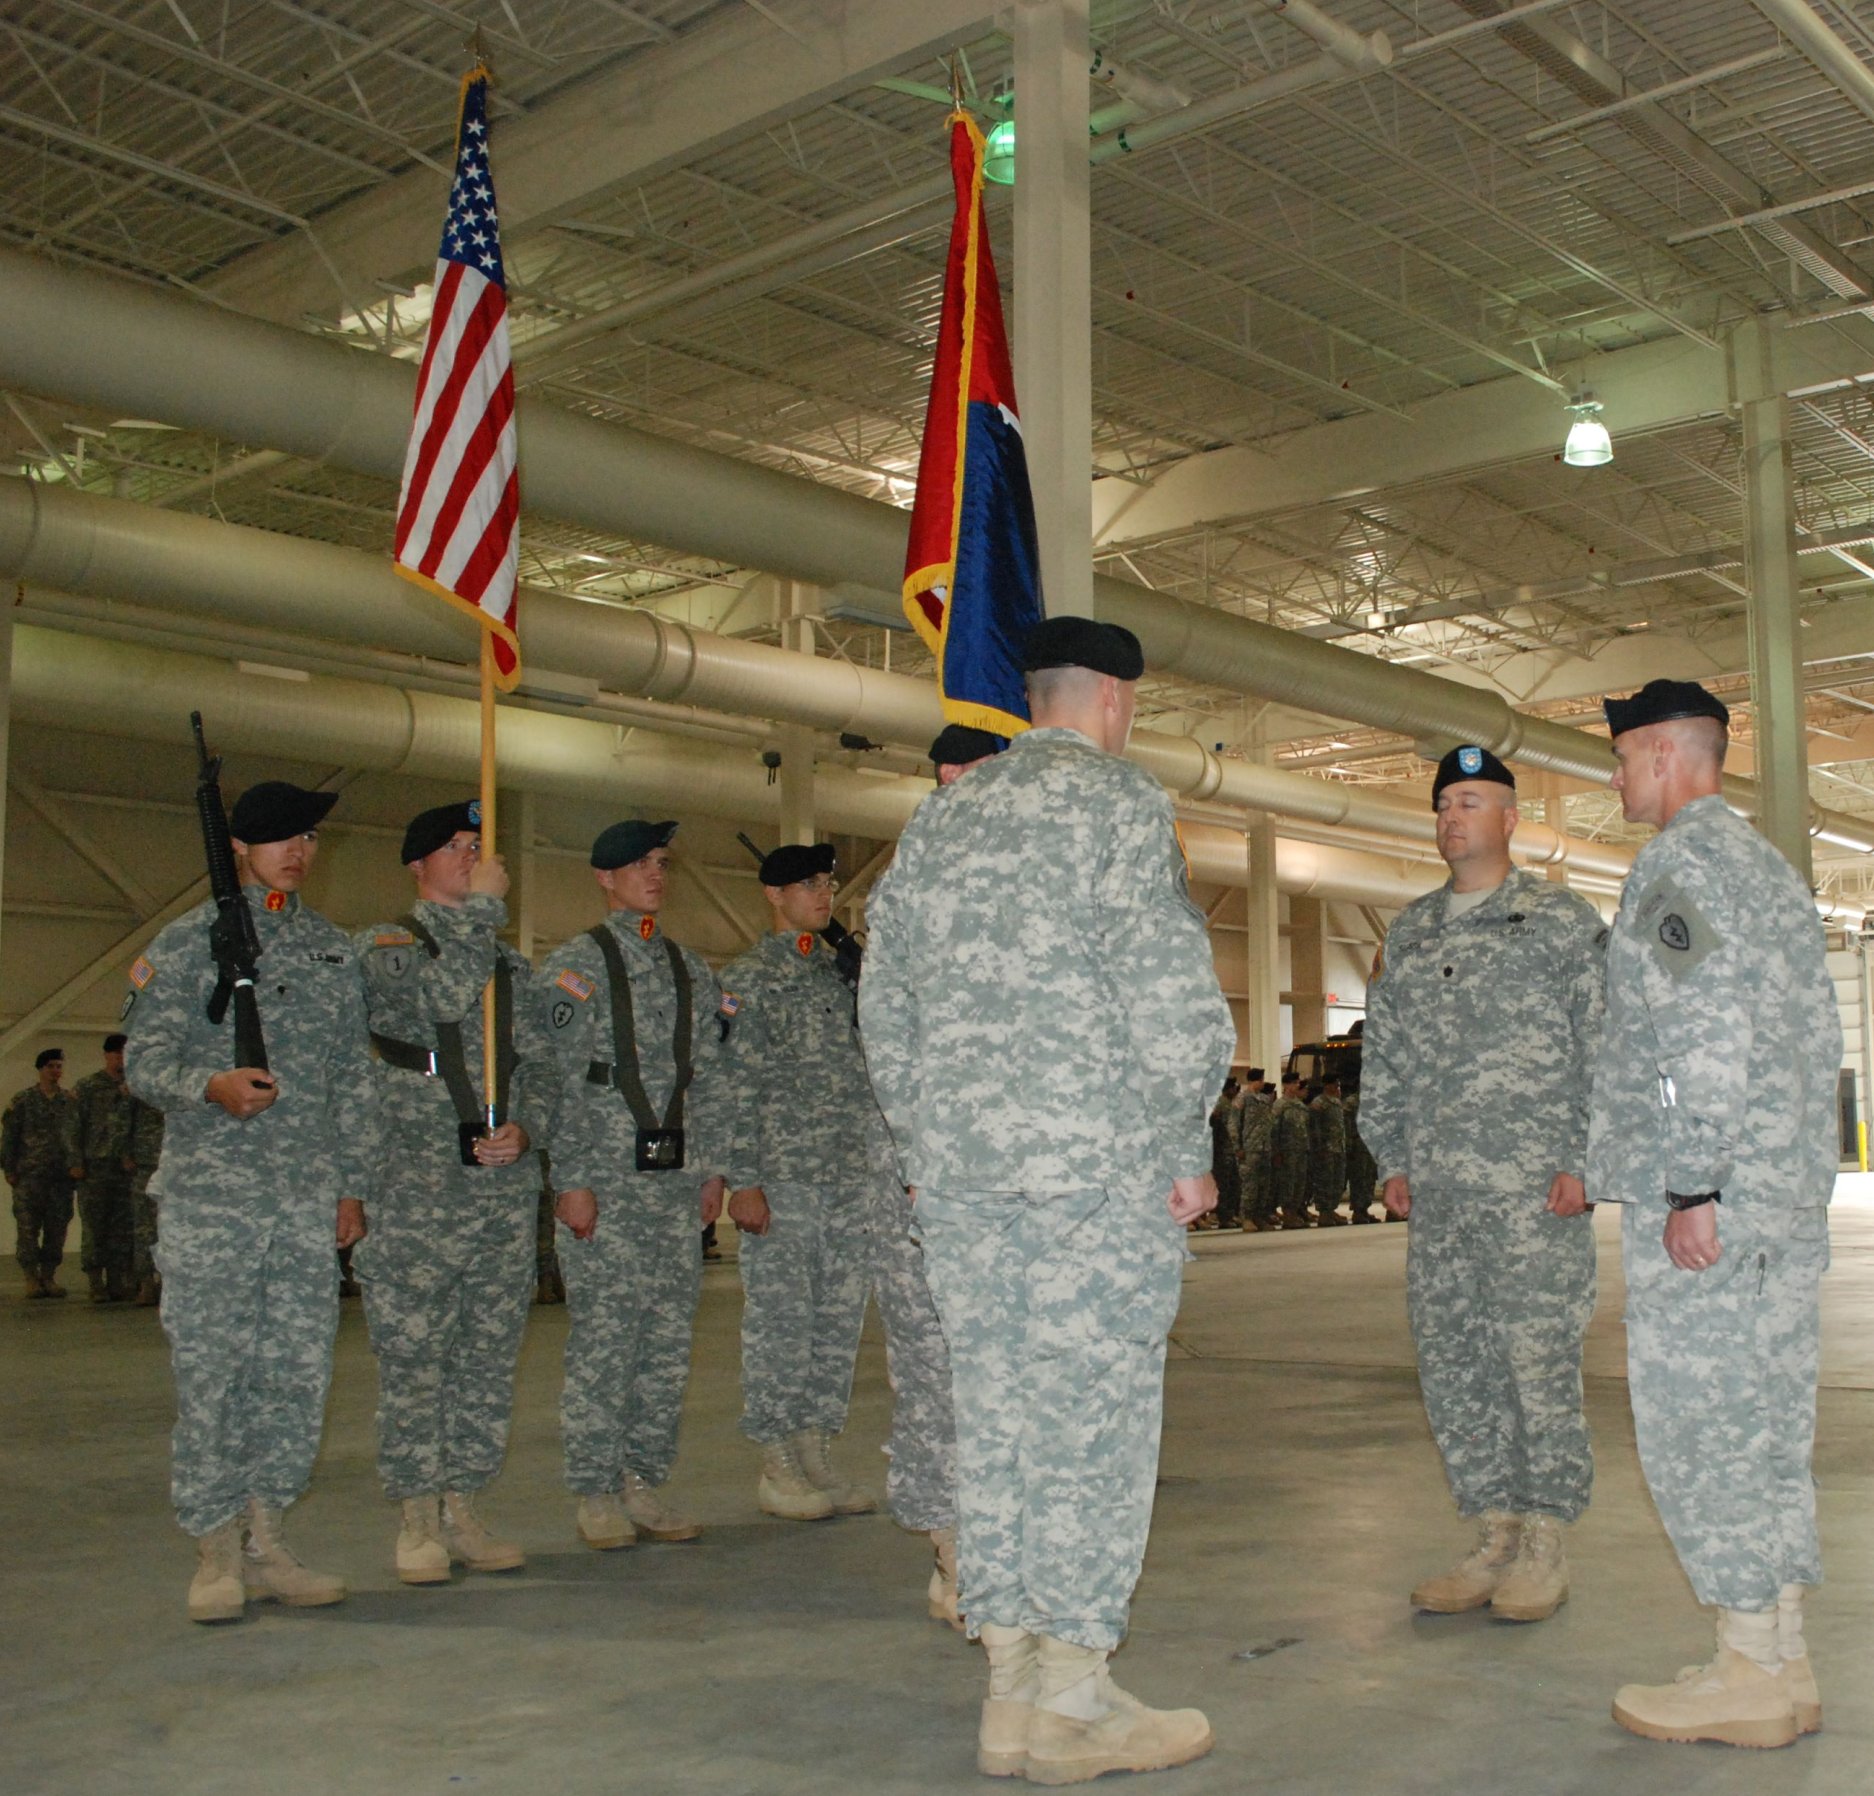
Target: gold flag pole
pixel 489 1044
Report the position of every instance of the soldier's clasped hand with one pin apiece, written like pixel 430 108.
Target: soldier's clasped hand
pixel 243 1091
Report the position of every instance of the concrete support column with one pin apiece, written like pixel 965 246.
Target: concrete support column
pixel 1545 794
pixel 1053 305
pixel 797 815
pixel 1770 558
pixel 1262 981
pixel 6 724
pixel 516 829
pixel 1307 968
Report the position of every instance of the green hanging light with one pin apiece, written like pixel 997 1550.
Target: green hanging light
pixel 999 154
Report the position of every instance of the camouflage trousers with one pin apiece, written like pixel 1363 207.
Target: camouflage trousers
pixel 250 1305
pixel 42 1212
pixel 1721 1370
pixel 1327 1181
pixel 1362 1178
pixel 920 1488
pixel 110 1239
pixel 804 1286
pixel 1499 1294
pixel 448 1276
pixel 143 1226
pixel 1258 1181
pixel 1288 1186
pixel 1056 1307
pixel 631 1300
pixel 546 1230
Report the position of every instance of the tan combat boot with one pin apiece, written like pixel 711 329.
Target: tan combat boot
pixel 149 1294
pixel 35 1283
pixel 470 1543
pixel 1473 1581
pixel 943 1578
pixel 421 1556
pixel 1536 1585
pixel 1009 1708
pixel 786 1490
pixel 653 1518
pixel 48 1276
pixel 1804 1697
pixel 216 1592
pixel 1742 1698
pixel 100 1285
pixel 816 1461
pixel 1085 1725
pixel 603 1524
pixel 270 1568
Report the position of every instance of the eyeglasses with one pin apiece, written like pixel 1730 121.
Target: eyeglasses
pixel 821 882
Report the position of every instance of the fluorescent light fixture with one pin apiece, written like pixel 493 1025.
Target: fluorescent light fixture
pixel 999 154
pixel 1588 445
pixel 1840 841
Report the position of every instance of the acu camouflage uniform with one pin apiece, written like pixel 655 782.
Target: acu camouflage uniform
pixel 1327 1153
pixel 810 1134
pixel 1362 1171
pixel 146 1149
pixel 250 1278
pixel 1046 1034
pixel 1223 1159
pixel 1717 1073
pixel 448 1267
pixel 1290 1161
pixel 100 1124
pixel 36 1157
pixel 1480 1037
pixel 1254 1122
pixel 631 1289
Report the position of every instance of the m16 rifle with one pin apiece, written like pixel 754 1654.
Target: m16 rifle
pixel 231 937
pixel 848 950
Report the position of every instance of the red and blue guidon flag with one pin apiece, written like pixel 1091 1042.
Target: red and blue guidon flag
pixel 972 575
pixel 459 514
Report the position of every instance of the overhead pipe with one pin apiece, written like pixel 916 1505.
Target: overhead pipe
pixel 1817 39
pixel 96 340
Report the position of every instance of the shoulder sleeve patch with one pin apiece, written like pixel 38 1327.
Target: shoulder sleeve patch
pixel 1677 931
pixel 569 981
pixel 141 972
pixel 730 1004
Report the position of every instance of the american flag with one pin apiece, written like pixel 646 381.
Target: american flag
pixel 458 518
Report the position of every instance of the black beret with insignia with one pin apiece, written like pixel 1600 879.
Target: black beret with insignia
pixel 1083 642
pixel 115 1043
pixel 1470 763
pixel 437 827
pixel 795 861
pixel 275 811
pixel 1663 701
pixel 957 745
pixel 47 1055
pixel 629 841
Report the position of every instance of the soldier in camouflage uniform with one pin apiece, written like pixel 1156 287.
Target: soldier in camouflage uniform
pixel 1255 1113
pixel 638 1172
pixel 261 1170
pixel 1714 1123
pixel 146 1151
pixel 1362 1171
pixel 813 1149
pixel 98 1146
pixel 36 1158
pixel 449 1266
pixel 1480 1032
pixel 1045 1033
pixel 1327 1154
pixel 1290 1149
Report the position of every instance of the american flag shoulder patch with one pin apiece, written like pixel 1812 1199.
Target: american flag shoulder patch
pixel 569 981
pixel 730 1004
pixel 141 972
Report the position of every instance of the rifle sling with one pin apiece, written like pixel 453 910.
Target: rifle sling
pixel 627 1078
pixel 448 1061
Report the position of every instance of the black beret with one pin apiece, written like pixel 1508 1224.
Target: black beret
pixel 47 1054
pixel 115 1042
pixel 794 861
pixel 956 745
pixel 1083 642
pixel 1663 701
pixel 629 841
pixel 434 828
pixel 274 811
pixel 1255 1072
pixel 1470 763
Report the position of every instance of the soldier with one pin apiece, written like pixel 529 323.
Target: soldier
pixel 261 1170
pixel 1362 1172
pixel 146 1151
pixel 98 1146
pixel 1223 1160
pixel 1327 1152
pixel 1046 1034
pixel 1479 1042
pixel 957 748
pixel 1290 1149
pixel 1714 1123
pixel 449 1266
pixel 814 1156
pixel 36 1159
pixel 1255 1112
pixel 644 1125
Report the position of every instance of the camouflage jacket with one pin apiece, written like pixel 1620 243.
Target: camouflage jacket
pixel 407 992
pixel 1255 1116
pixel 594 1136
pixel 1039 1008
pixel 1291 1133
pixel 1327 1128
pixel 35 1141
pixel 1718 1067
pixel 317 1142
pixel 99 1126
pixel 146 1137
pixel 1480 1039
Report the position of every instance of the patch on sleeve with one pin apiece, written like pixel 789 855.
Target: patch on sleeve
pixel 563 1012
pixel 393 938
pixel 393 962
pixel 569 981
pixel 730 1004
pixel 130 1004
pixel 141 972
pixel 1677 931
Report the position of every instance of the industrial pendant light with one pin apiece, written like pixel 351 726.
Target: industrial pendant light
pixel 1588 445
pixel 999 154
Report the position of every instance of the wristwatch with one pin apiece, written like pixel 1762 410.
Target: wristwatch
pixel 1680 1202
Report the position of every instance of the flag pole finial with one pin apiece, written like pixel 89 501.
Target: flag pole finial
pixel 956 83
pixel 478 51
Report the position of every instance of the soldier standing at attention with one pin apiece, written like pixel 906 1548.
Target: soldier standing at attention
pixel 1362 1170
pixel 956 748
pixel 643 1130
pixel 260 1170
pixel 36 1159
pixel 1046 1033
pixel 815 1154
pixel 98 1146
pixel 1255 1111
pixel 1714 1123
pixel 1327 1141
pixel 146 1151
pixel 1290 1148
pixel 1480 1035
pixel 449 1267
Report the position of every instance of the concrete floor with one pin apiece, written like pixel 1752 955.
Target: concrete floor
pixel 1301 1498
